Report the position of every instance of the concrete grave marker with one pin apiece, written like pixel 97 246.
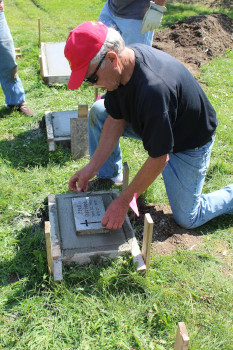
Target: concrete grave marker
pixel 68 128
pixel 65 246
pixel 88 214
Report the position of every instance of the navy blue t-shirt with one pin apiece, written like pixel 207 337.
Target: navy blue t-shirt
pixel 164 104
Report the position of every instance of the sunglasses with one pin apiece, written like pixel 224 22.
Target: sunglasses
pixel 93 78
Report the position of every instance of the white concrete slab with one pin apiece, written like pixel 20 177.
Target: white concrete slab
pixel 56 62
pixel 88 214
pixel 69 238
pixel 61 123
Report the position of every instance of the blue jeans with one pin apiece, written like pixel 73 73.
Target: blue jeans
pixel 183 176
pixel 10 82
pixel 130 29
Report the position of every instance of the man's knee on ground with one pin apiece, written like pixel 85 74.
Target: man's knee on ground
pixel 97 113
pixel 185 220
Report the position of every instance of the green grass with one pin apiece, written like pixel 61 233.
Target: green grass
pixel 108 305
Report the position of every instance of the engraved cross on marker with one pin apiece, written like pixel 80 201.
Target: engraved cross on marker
pixel 90 222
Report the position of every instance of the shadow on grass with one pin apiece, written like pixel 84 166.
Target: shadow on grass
pixel 222 222
pixel 30 149
pixel 27 272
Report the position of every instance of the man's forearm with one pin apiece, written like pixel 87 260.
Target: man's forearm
pixel 112 131
pixel 144 178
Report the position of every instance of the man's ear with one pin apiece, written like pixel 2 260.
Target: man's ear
pixel 112 57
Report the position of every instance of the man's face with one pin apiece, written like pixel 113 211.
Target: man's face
pixel 108 75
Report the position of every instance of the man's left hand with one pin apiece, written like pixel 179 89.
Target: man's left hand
pixel 1 6
pixel 115 214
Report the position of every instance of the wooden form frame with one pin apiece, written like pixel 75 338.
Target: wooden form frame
pixel 53 248
pixel 147 239
pixel 148 224
pixel 18 52
pixel 182 337
pixel 78 138
pixel 44 66
pixel 56 255
pixel 53 252
pixel 125 176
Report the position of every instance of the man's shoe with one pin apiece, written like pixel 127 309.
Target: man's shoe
pixel 22 108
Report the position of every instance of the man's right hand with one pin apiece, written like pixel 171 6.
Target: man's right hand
pixel 81 177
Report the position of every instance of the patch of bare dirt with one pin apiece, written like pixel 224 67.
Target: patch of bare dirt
pixel 167 235
pixel 196 39
pixel 227 4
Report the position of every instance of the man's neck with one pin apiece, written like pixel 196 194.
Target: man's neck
pixel 127 62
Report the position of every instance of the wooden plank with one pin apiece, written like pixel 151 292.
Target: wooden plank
pixel 17 52
pixel 44 62
pixel 55 242
pixel 49 129
pixel 125 176
pixel 147 239
pixel 54 228
pixel 137 256
pixel 41 67
pixel 48 246
pixel 182 337
pixel 57 274
pixel 82 111
pixel 39 32
pixel 61 138
pixel 74 143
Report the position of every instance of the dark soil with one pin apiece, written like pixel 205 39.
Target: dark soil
pixel 193 42
pixel 227 4
pixel 196 39
pixel 167 235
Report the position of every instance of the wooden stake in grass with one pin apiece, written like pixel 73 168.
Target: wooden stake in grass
pixel 48 246
pixel 182 337
pixel 39 32
pixel 18 52
pixel 147 239
pixel 125 176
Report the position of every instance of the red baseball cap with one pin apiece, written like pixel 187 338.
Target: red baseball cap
pixel 82 45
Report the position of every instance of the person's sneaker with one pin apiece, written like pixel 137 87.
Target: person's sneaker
pixel 102 184
pixel 118 180
pixel 22 108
